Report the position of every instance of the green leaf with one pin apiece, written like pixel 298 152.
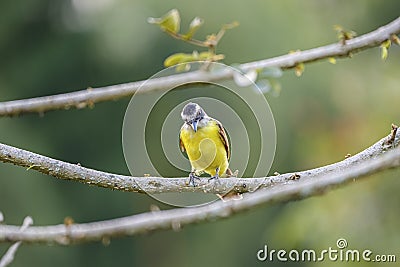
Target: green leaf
pixel 332 60
pixel 193 27
pixel 204 55
pixel 177 58
pixel 299 69
pixel 343 34
pixel 395 39
pixel 384 53
pixel 386 43
pixel 384 49
pixel 170 22
pixel 210 56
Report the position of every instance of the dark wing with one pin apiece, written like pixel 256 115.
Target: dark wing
pixel 224 138
pixel 181 145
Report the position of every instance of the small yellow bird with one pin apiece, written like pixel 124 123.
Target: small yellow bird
pixel 205 141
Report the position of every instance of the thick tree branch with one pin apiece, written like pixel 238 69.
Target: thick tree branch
pixel 154 185
pixel 84 98
pixel 176 218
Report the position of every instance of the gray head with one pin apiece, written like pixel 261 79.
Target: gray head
pixel 192 113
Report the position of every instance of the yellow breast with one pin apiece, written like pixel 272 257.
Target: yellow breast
pixel 205 149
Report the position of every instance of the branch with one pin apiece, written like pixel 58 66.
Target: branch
pixel 154 185
pixel 8 257
pixel 84 98
pixel 176 218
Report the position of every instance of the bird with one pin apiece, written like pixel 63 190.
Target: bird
pixel 205 142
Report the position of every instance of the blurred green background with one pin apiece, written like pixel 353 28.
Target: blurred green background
pixel 55 46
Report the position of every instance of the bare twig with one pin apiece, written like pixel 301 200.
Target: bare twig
pixel 176 218
pixel 84 98
pixel 8 257
pixel 154 185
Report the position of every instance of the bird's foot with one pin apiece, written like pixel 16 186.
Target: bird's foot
pixel 192 177
pixel 215 177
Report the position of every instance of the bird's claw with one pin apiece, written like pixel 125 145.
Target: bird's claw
pixel 215 177
pixel 192 177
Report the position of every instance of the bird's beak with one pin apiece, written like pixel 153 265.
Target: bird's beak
pixel 194 125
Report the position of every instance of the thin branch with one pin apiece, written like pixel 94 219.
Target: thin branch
pixel 8 257
pixel 84 98
pixel 154 185
pixel 350 47
pixel 176 218
pixel 182 37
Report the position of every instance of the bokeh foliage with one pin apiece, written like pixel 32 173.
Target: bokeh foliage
pixel 54 46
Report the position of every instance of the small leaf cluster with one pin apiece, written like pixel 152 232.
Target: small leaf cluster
pixel 386 45
pixel 171 22
pixel 343 34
